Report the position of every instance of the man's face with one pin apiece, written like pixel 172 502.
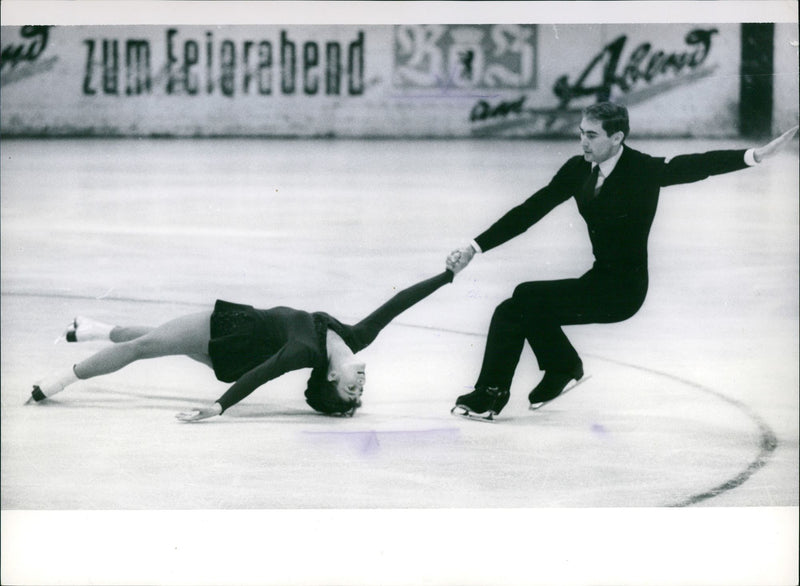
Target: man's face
pixel 596 144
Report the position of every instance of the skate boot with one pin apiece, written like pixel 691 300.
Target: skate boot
pixel 483 403
pixel 36 396
pixel 552 385
pixel 51 385
pixel 83 329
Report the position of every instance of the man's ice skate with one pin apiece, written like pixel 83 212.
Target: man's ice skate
pixel 84 329
pixel 482 404
pixel 554 384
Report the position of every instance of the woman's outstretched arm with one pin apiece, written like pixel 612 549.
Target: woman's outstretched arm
pixel 368 328
pixel 290 357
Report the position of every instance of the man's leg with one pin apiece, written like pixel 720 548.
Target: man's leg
pixel 545 307
pixel 188 335
pixel 504 344
pixel 503 348
pixel 548 305
pixel 514 321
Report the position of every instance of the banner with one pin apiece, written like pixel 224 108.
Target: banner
pixel 504 80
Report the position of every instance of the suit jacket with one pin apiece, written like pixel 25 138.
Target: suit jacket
pixel 620 216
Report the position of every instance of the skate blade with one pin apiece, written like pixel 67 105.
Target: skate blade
pixel 536 406
pixel 460 411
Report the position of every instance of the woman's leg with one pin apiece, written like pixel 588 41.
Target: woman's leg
pixel 188 335
pixel 85 329
pixel 127 333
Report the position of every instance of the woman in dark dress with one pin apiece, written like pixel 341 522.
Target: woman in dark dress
pixel 248 347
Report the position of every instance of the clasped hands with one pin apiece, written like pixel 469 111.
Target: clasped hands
pixel 459 258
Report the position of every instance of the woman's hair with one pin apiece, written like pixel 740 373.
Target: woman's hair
pixel 322 396
pixel 612 117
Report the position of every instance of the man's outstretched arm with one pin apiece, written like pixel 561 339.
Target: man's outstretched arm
pixel 772 147
pixel 696 167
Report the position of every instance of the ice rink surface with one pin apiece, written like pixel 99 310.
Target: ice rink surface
pixel 693 402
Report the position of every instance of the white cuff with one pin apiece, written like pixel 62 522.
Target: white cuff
pixel 475 246
pixel 749 158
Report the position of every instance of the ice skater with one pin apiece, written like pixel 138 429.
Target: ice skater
pixel 248 347
pixel 616 189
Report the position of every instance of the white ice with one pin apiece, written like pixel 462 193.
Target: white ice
pixel 680 401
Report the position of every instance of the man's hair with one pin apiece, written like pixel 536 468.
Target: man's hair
pixel 322 395
pixel 613 117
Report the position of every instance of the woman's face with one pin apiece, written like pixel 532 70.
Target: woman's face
pixel 350 381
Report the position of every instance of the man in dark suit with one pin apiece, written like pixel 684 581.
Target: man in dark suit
pixel 616 189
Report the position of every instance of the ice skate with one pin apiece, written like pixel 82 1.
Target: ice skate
pixel 554 384
pixel 36 396
pixel 482 404
pixel 84 329
pixel 51 385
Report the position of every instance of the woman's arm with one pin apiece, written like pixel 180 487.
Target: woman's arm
pixel 200 413
pixel 290 357
pixel 368 328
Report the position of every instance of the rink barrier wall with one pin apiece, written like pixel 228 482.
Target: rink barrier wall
pixel 414 81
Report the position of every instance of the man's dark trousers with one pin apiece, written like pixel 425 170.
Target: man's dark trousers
pixel 538 309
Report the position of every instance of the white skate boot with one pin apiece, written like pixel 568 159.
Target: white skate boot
pixel 84 329
pixel 51 385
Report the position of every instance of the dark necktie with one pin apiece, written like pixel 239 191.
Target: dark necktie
pixel 588 190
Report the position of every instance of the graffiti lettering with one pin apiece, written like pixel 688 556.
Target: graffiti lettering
pixel 250 66
pixel 484 111
pixel 13 54
pixel 209 66
pixel 542 122
pixel 515 115
pixel 642 65
pixel 138 79
pixel 471 57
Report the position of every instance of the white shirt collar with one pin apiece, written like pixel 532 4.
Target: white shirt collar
pixel 607 166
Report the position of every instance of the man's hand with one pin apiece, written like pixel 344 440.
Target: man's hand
pixel 200 413
pixel 459 258
pixel 761 153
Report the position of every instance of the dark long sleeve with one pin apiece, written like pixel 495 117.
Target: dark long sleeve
pixel 365 331
pixel 619 219
pixel 518 219
pixel 696 167
pixel 292 356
